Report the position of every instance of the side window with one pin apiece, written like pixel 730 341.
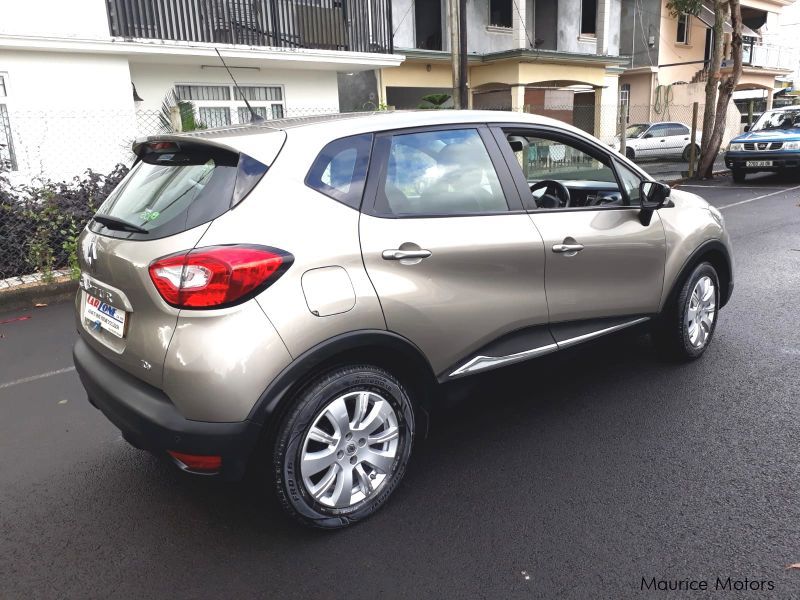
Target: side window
pixel 678 129
pixel 630 182
pixel 658 131
pixel 445 172
pixel 340 169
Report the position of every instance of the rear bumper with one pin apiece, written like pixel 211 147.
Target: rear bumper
pixel 148 420
pixel 780 160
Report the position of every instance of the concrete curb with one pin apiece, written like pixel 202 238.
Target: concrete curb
pixel 44 293
pixel 674 182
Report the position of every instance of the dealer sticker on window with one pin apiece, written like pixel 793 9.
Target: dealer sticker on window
pixel 100 315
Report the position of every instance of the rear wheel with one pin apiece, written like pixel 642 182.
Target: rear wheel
pixel 738 175
pixel 687 325
pixel 687 152
pixel 343 447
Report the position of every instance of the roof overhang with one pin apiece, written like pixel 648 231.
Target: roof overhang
pixel 520 55
pixel 706 15
pixel 160 51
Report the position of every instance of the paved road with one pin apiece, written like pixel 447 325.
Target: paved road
pixel 571 478
pixel 671 170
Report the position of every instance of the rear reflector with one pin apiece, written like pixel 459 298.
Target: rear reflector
pixel 217 276
pixel 197 462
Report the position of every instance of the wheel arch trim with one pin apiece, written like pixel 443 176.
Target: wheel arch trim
pixel 696 257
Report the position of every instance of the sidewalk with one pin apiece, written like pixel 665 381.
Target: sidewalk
pixel 671 170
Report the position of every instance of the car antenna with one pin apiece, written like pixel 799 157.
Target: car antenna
pixel 254 116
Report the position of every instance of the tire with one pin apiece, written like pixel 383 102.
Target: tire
pixel 321 499
pixel 677 334
pixel 629 153
pixel 738 176
pixel 687 152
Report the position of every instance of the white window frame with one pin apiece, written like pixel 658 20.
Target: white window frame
pixel 686 29
pixel 9 153
pixel 234 105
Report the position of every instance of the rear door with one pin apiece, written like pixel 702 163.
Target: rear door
pixel 162 207
pixel 456 262
pixel 678 138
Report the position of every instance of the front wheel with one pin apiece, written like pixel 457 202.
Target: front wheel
pixel 343 447
pixel 687 324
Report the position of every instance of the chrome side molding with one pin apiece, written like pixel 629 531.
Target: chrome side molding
pixel 483 363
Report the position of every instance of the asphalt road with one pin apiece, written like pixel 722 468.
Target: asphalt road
pixel 570 478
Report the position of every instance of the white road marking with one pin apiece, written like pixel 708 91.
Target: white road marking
pixel 781 191
pixel 36 377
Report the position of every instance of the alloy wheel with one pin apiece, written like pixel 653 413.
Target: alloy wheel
pixel 701 311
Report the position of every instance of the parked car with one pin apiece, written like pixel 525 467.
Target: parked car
pixel 772 144
pixel 290 297
pixel 665 139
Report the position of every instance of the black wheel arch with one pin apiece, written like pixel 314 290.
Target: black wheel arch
pixel 380 348
pixel 716 253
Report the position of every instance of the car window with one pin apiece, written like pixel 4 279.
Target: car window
pixel 587 174
pixel 678 129
pixel 340 169
pixel 440 173
pixel 778 119
pixel 658 130
pixel 630 181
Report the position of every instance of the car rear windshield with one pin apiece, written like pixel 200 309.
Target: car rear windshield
pixel 168 192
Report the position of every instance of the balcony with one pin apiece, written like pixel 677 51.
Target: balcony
pixel 345 25
pixel 767 56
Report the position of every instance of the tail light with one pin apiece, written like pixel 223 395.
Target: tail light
pixel 217 276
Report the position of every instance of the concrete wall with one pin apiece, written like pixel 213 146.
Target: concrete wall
pixel 68 112
pixel 85 19
pixel 482 38
pixel 569 29
pixel 639 26
pixel 403 23
pixel 672 52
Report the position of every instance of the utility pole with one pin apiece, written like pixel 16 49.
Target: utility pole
pixel 455 49
pixel 462 54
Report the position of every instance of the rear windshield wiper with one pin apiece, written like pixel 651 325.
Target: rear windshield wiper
pixel 119 224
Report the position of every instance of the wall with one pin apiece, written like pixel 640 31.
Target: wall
pixel 86 19
pixel 403 16
pixel 305 91
pixel 358 91
pixel 480 37
pixel 68 112
pixel 640 25
pixel 569 29
pixel 671 52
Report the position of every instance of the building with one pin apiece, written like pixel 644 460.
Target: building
pixel 80 79
pixel 558 58
pixel 669 56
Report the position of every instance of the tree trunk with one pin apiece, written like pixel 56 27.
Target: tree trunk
pixel 726 88
pixel 711 82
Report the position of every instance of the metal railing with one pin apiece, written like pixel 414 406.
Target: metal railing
pixel 350 25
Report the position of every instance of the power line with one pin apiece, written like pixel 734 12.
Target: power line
pixel 524 24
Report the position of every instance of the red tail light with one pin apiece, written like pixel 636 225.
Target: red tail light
pixel 217 276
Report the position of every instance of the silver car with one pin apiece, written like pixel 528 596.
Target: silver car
pixel 290 296
pixel 665 139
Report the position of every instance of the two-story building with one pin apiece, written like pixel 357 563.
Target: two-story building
pixel 669 56
pixel 80 79
pixel 558 58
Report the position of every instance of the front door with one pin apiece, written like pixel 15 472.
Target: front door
pixel 601 262
pixel 456 262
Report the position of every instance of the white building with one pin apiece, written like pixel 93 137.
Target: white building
pixel 80 79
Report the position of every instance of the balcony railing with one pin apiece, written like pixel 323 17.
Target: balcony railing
pixel 350 25
pixel 769 56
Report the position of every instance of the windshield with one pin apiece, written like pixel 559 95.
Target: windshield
pixel 634 131
pixel 778 119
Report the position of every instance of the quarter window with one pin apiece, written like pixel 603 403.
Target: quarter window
pixel 340 169
pixel 440 173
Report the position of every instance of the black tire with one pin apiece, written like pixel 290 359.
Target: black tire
pixel 670 333
pixel 308 404
pixel 738 176
pixel 687 152
pixel 629 153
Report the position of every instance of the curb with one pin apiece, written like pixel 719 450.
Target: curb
pixel 674 182
pixel 27 297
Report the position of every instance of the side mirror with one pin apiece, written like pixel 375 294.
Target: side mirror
pixel 746 128
pixel 652 195
pixel 647 136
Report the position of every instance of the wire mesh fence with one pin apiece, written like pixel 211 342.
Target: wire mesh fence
pixel 56 167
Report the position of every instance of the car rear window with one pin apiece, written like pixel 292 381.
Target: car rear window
pixel 168 192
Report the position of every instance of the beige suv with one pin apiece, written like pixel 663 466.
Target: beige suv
pixel 290 295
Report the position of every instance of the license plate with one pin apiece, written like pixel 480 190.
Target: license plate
pixel 104 316
pixel 758 163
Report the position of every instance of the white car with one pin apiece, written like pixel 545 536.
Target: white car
pixel 665 139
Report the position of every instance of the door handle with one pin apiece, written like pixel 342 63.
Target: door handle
pixel 398 254
pixel 564 248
